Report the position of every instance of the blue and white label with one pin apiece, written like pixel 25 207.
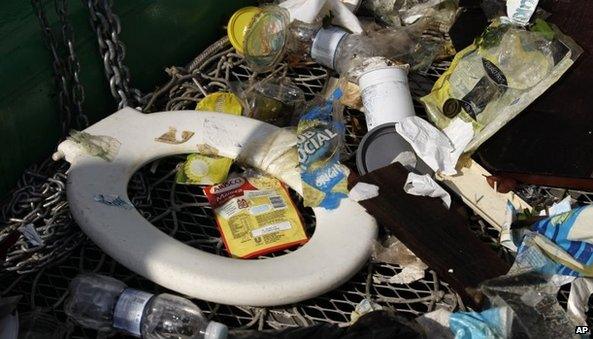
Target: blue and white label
pixel 520 11
pixel 129 309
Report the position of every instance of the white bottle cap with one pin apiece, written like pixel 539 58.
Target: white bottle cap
pixel 216 330
pixel 386 95
pixel 325 45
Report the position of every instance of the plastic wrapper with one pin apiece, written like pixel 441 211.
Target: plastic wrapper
pixel 320 134
pixel 578 300
pixel 529 289
pixel 417 45
pixel 494 79
pixel 199 169
pixel 404 12
pixel 393 251
pixel 493 323
pixel 568 239
pixel 275 102
pixel 101 146
pixel 255 215
pixel 206 167
pixel 438 17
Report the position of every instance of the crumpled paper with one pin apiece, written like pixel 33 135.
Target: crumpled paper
pixel 393 251
pixel 578 300
pixel 364 307
pixel 363 191
pixel 424 185
pixel 410 273
pixel 440 150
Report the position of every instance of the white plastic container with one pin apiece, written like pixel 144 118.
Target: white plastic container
pixel 386 95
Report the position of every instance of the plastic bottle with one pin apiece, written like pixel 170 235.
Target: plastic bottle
pixel 104 303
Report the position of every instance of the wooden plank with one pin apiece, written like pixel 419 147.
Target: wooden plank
pixel 471 185
pixel 438 236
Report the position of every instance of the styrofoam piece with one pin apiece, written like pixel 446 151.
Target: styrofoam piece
pixel 340 245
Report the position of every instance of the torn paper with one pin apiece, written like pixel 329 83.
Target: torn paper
pixel 424 185
pixel 440 151
pixel 407 159
pixel 578 300
pixel 410 273
pixel 560 207
pixel 363 191
pixel 364 307
pixel 506 234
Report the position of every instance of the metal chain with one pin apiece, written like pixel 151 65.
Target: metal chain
pixel 73 66
pixel 39 201
pixel 106 25
pixel 66 68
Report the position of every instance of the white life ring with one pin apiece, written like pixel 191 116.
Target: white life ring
pixel 340 245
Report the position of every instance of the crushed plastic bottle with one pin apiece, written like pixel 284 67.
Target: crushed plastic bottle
pixel 104 303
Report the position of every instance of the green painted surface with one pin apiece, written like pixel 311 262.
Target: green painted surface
pixel 156 33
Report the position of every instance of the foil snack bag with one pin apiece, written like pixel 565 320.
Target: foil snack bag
pixel 255 215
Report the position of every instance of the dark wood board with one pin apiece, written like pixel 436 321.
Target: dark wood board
pixel 551 142
pixel 438 236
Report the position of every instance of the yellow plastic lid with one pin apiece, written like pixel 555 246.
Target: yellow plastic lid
pixel 238 24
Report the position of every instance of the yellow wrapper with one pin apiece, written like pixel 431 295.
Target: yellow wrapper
pixel 255 216
pixel 209 168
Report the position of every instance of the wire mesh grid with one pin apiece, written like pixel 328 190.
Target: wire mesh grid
pixel 182 212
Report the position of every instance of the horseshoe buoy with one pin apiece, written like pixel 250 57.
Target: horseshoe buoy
pixel 339 247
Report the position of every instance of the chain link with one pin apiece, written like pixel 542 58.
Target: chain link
pixel 106 25
pixel 39 201
pixel 65 65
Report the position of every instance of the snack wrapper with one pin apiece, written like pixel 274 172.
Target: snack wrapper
pixel 319 136
pixel 255 215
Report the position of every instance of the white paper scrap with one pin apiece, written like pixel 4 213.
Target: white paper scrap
pixel 438 150
pixel 578 300
pixel 409 274
pixel 424 185
pixel 363 191
pixel 460 133
pixel 560 207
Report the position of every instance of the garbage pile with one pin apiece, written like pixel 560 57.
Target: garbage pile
pixel 412 174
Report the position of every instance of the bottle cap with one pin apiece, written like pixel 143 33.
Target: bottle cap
pixel 238 24
pixel 265 38
pixel 451 108
pixel 216 330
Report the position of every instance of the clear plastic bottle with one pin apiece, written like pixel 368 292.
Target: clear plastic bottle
pixel 271 36
pixel 104 303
